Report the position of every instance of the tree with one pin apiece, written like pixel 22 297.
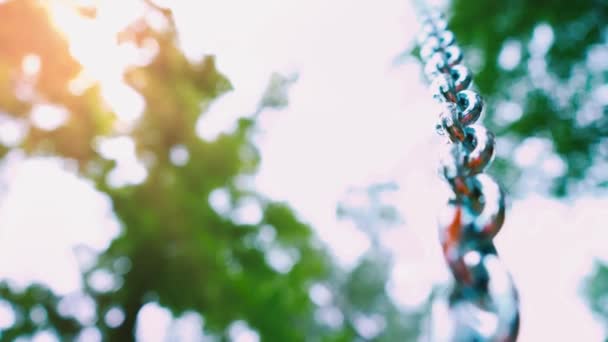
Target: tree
pixel 185 242
pixel 360 293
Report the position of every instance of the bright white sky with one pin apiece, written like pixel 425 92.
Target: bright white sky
pixel 354 117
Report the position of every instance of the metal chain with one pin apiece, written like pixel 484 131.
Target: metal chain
pixel 483 302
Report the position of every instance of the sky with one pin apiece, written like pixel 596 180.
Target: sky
pixel 344 53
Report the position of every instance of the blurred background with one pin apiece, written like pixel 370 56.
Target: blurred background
pixel 265 170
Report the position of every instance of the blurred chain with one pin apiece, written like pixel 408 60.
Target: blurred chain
pixel 483 303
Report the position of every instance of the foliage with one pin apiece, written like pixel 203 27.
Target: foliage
pixel 542 59
pixel 176 247
pixel 360 293
pixel 597 289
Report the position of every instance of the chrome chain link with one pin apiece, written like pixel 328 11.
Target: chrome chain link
pixel 483 302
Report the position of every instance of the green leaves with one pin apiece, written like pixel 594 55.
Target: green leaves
pixel 553 80
pixel 193 237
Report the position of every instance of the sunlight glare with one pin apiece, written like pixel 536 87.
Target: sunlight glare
pixel 12 130
pixel 49 117
pixel 93 42
pixel 31 64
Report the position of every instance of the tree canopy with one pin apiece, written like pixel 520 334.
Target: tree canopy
pixel 542 67
pixel 185 243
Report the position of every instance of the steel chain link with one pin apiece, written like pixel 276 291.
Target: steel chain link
pixel 483 302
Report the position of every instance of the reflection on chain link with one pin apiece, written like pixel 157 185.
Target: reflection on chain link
pixel 483 302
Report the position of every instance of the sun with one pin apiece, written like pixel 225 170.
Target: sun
pixel 91 28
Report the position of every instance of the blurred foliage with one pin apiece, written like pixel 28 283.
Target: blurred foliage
pixel 360 294
pixel 548 61
pixel 176 248
pixel 542 68
pixel 37 310
pixel 596 288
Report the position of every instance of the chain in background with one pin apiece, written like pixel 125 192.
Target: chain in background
pixel 483 303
